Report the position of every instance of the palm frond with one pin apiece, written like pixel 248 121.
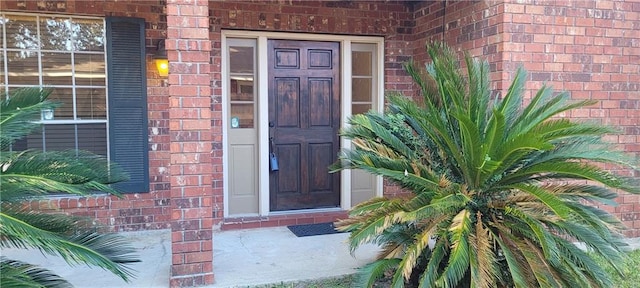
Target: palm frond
pixel 479 90
pixel 549 199
pixel 450 204
pixel 604 245
pixel 470 137
pixel 599 220
pixel 494 135
pixel 391 250
pixel 514 150
pixel 560 129
pixel 516 262
pixel 587 267
pixel 542 235
pixel 16 274
pixel 52 222
pixel 582 150
pixel 107 251
pixel 19 113
pixel 543 271
pixel 534 108
pixel 556 170
pixel 458 264
pixel 433 270
pixel 368 274
pixel 482 258
pixel 33 173
pixel 366 227
pixel 369 205
pixel 512 101
pixel 413 252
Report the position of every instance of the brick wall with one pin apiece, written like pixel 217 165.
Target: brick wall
pixel 475 27
pixel 590 49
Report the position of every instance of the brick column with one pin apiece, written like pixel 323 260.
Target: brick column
pixel 189 48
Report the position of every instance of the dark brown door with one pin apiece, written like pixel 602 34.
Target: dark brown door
pixel 304 119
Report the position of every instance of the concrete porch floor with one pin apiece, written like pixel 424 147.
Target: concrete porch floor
pixel 241 258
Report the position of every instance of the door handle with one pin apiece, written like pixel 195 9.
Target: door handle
pixel 273 159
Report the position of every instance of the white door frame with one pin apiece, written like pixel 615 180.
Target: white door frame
pixel 262 96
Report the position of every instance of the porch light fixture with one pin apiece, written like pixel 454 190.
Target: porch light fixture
pixel 160 58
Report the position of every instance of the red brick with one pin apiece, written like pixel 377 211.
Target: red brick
pixel 195 56
pixel 269 223
pixel 231 226
pixel 522 18
pixel 196 213
pixel 179 248
pixel 177 259
pixel 186 269
pixel 534 9
pixel 287 222
pixel 176 236
pixel 305 221
pixel 209 277
pixel 196 257
pixel 553 67
pixel 564 39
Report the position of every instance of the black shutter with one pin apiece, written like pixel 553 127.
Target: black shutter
pixel 127 88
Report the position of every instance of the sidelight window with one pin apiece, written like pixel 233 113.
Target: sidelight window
pixel 363 80
pixel 241 83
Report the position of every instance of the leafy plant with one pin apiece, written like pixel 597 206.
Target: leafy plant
pixel 27 175
pixel 499 189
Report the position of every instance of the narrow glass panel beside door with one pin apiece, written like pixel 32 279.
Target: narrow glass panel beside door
pixel 243 155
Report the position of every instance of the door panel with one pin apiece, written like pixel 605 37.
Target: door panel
pixel 304 115
pixel 320 102
pixel 287 96
pixel 290 176
pixel 321 157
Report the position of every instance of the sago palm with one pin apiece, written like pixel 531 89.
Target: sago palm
pixel 500 190
pixel 28 175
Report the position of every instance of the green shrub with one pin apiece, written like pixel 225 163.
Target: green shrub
pixel 27 175
pixel 500 189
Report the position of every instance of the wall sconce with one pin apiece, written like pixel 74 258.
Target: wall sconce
pixel 160 58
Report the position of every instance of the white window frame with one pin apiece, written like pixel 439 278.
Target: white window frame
pixel 6 86
pixel 262 120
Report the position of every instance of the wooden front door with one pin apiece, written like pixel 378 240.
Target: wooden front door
pixel 304 119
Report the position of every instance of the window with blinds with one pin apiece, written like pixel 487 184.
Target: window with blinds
pixel 74 56
pixel 66 54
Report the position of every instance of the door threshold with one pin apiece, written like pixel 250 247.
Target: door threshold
pixel 304 211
